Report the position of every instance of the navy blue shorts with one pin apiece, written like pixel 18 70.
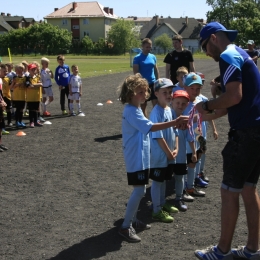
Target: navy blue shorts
pixel 241 159
pixel 138 178
pixel 162 174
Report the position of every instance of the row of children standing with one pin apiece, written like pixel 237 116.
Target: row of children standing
pixel 29 86
pixel 162 146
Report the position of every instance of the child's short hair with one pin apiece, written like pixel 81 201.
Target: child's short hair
pixel 127 89
pixel 145 41
pixel 60 57
pixel 37 64
pixel 25 63
pixel 73 66
pixel 180 70
pixel 19 66
pixel 3 66
pixel 45 59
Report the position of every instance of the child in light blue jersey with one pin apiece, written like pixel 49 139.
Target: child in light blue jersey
pixel 192 85
pixel 136 148
pixel 164 149
pixel 180 74
pixel 180 100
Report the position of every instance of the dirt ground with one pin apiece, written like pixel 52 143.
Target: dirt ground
pixel 63 187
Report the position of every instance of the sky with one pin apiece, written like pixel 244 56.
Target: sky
pixel 122 8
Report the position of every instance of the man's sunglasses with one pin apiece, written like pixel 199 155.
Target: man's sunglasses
pixel 204 46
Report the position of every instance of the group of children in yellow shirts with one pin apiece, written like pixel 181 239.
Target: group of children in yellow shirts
pixel 28 90
pixel 162 146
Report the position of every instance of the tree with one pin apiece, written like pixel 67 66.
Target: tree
pixel 87 44
pixel 163 41
pixel 123 36
pixel 241 15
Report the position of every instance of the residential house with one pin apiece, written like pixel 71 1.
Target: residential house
pixel 188 28
pixel 4 26
pixel 84 18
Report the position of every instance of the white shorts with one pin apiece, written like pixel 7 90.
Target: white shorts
pixel 74 96
pixel 48 92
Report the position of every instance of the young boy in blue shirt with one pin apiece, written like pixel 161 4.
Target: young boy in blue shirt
pixel 136 148
pixel 180 100
pixel 62 77
pixel 164 149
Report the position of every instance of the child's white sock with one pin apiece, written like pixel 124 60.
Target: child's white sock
pixel 71 107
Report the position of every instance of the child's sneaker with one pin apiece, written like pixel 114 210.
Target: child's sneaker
pixel 32 125
pixel 4 113
pixel 46 113
pixel 64 112
pixel 203 176
pixel 169 208
pixel 3 147
pixel 139 225
pixel 18 125
pixel 22 124
pixel 10 124
pixel 25 113
pixel 196 193
pixel 200 183
pixel 180 205
pixel 243 252
pixel 38 123
pixel 213 253
pixel 129 234
pixel 162 216
pixel 73 114
pixel 187 197
pixel 4 132
pixel 41 119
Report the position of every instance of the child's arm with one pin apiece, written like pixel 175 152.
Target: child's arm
pixel 175 151
pixel 180 122
pixel 214 130
pixel 193 149
pixel 165 148
pixel 80 90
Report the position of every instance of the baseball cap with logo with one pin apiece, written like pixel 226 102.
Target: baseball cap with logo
pixel 191 79
pixel 181 93
pixel 162 83
pixel 215 27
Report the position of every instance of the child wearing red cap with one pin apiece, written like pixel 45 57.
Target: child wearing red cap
pixel 33 94
pixel 180 101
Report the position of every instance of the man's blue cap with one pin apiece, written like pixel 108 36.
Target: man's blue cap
pixel 215 27
pixel 191 79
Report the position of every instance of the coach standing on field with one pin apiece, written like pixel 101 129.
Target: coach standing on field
pixel 240 80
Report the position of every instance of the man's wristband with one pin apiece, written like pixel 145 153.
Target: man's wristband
pixel 205 106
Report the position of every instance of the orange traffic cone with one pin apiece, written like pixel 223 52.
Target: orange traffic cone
pixel 20 133
pixel 109 102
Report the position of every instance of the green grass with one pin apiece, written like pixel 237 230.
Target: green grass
pixel 90 66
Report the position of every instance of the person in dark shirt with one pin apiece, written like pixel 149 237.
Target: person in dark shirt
pixel 177 58
pixel 251 51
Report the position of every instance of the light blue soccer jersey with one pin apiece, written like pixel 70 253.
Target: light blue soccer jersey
pixel 204 124
pixel 146 66
pixel 136 142
pixel 158 156
pixel 184 138
pixel 236 65
pixel 177 87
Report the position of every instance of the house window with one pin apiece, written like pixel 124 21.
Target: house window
pixel 86 33
pixel 64 22
pixel 85 21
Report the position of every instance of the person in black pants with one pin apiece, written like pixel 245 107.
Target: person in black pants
pixel 62 77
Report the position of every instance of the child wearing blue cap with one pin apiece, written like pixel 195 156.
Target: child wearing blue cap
pixel 164 149
pixel 136 148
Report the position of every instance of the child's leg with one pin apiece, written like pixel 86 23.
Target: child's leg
pixel 78 105
pixel 62 99
pixel 179 186
pixel 162 195
pixel 9 116
pixel 191 175
pixel 71 107
pixel 198 165
pixel 203 157
pixel 132 205
pixel 155 194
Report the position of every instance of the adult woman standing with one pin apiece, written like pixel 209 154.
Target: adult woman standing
pixel 145 63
